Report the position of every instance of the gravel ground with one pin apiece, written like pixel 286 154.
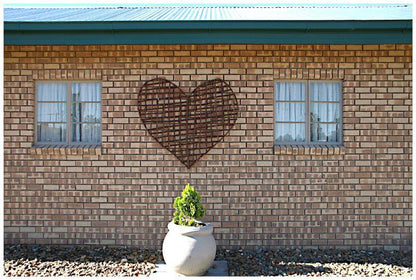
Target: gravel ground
pixel 22 260
pixel 297 262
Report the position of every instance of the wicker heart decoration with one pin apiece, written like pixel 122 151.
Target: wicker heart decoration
pixel 187 125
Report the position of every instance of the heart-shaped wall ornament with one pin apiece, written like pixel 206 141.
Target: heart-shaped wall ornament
pixel 187 125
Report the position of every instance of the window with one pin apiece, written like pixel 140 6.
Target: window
pixel 308 112
pixel 68 113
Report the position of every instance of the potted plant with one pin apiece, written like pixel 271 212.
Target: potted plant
pixel 189 246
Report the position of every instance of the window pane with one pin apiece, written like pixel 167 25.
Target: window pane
pixel 51 132
pixel 86 112
pixel 51 112
pixel 294 112
pixel 325 132
pixel 51 91
pixel 290 132
pixel 324 112
pixel 321 91
pixel 88 133
pixel 86 92
pixel 290 91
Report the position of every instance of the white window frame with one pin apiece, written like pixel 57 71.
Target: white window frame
pixel 68 122
pixel 307 122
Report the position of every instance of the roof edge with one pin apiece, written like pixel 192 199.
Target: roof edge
pixel 208 32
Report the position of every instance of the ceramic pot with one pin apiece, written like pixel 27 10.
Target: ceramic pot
pixel 189 250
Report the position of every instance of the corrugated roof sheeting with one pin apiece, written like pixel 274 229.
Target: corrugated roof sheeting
pixel 213 13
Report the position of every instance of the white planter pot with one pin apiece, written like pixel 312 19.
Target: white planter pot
pixel 189 250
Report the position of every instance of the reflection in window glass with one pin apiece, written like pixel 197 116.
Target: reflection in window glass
pixel 88 133
pixel 86 112
pixel 49 132
pixel 51 112
pixel 86 92
pixel 290 132
pixel 324 132
pixel 324 112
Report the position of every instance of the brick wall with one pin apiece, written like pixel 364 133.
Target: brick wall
pixel 256 195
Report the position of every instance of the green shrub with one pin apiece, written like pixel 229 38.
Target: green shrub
pixel 188 208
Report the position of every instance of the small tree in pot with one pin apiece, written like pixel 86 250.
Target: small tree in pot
pixel 188 208
pixel 189 247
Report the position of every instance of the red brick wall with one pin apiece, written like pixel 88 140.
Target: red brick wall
pixel 256 195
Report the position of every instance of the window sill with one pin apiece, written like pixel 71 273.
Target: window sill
pixel 319 150
pixel 53 149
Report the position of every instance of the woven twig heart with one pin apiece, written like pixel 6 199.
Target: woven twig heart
pixel 187 125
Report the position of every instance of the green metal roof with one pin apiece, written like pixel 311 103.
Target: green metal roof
pixel 274 24
pixel 214 12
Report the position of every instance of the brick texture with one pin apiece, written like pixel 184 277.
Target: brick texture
pixel 256 195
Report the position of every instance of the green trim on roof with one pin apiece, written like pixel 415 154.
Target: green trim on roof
pixel 208 32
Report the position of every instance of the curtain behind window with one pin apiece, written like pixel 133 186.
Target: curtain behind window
pixel 86 112
pixel 325 112
pixel 51 112
pixel 290 111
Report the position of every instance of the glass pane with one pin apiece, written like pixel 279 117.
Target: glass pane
pixel 290 91
pixel 86 112
pixel 290 132
pixel 86 92
pixel 51 112
pixel 325 112
pixel 51 132
pixel 51 91
pixel 325 132
pixel 324 91
pixel 294 112
pixel 86 133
